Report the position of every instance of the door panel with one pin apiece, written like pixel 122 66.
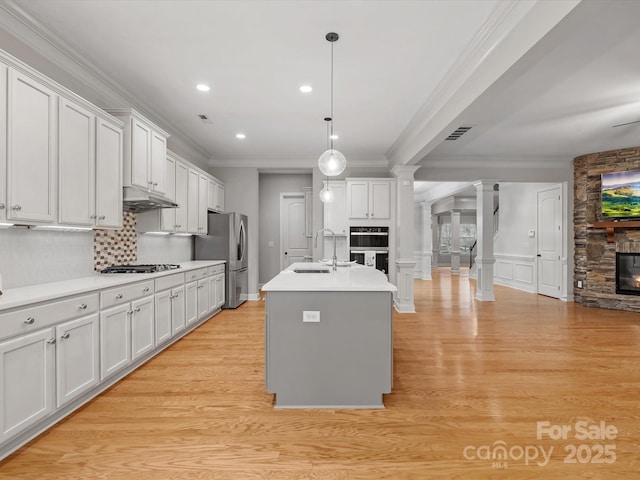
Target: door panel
pixel 293 239
pixel 549 242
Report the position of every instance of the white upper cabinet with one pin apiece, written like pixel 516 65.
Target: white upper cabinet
pixel 215 196
pixel 335 213
pixel 168 215
pixel 181 197
pixel 193 217
pixel 368 199
pixel 203 183
pixel 31 150
pixel 3 141
pixel 145 151
pixel 109 143
pixel 220 198
pixel 76 164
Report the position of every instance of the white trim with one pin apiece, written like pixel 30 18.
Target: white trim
pixel 519 161
pixel 253 297
pixel 295 162
pixel 516 271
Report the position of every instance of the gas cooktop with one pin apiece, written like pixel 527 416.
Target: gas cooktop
pixel 158 267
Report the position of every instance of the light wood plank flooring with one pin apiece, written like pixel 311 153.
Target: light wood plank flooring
pixel 469 377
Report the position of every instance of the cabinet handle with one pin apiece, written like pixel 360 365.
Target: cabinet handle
pixel 30 321
pixel 136 310
pixel 155 184
pixel 1 206
pixel 102 217
pixel 17 208
pixel 83 306
pixel 130 312
pixel 51 341
pixel 145 290
pixel 65 335
pixel 119 296
pixel 93 217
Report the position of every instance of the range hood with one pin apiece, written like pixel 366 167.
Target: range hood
pixel 136 200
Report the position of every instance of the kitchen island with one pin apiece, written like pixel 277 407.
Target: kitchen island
pixel 328 336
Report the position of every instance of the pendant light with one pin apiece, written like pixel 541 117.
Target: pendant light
pixel 332 162
pixel 326 194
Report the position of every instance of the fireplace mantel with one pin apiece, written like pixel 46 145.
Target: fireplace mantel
pixel 611 227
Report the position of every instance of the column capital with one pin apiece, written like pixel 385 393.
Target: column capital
pixel 484 184
pixel 405 172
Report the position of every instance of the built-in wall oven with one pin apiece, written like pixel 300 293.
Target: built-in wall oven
pixel 369 246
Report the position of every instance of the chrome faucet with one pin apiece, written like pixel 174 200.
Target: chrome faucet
pixel 335 259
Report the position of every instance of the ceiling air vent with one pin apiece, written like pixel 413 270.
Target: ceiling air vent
pixel 205 119
pixel 458 133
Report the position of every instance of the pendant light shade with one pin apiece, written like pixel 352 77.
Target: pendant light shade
pixel 326 195
pixel 332 163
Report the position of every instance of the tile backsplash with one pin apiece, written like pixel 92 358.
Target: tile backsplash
pixel 32 256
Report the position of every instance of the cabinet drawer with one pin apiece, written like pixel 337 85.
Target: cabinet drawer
pixel 125 293
pixel 216 269
pixel 46 314
pixel 170 281
pixel 198 274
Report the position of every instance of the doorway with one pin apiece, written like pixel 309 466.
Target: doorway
pixel 295 246
pixel 549 244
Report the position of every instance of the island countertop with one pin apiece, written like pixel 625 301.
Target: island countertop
pixel 351 278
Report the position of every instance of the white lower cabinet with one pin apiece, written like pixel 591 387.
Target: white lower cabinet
pixel 142 327
pixel 203 297
pixel 27 374
pixel 115 339
pixel 191 302
pixel 170 313
pixel 77 359
pixel 220 291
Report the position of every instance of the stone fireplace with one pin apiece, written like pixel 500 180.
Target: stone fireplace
pixel 594 256
pixel 628 273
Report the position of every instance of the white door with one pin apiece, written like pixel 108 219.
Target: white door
pixel 358 199
pixel 163 316
pixel 142 329
pixel 191 306
pixel 109 151
pixel 178 299
pixel 77 357
pixel 192 201
pixel 3 140
pixel 550 242
pixel 380 200
pixel 294 243
pixel 335 213
pixel 115 339
pixel 140 155
pixel 168 215
pixel 27 375
pixel 158 163
pixel 219 290
pixel 181 197
pixel 203 297
pixel 203 190
pixel 76 165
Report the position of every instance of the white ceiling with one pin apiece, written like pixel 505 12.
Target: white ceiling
pixel 393 62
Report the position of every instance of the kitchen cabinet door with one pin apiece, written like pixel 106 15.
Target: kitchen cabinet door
pixel 76 165
pixel 142 327
pixel 115 339
pixel 77 358
pixel 163 329
pixel 27 381
pixel 191 302
pixel 109 150
pixel 181 198
pixel 203 298
pixel 220 291
pixel 203 189
pixel 212 194
pixel 212 294
pixel 380 200
pixel 220 198
pixel 158 163
pixel 31 150
pixel 4 71
pixel 178 304
pixel 168 215
pixel 358 199
pixel 193 216
pixel 335 213
pixel 140 155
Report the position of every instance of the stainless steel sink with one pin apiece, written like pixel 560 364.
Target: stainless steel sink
pixel 311 270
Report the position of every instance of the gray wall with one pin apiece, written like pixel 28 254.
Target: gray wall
pixel 271 186
pixel 241 187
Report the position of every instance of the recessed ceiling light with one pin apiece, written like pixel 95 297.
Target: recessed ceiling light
pixel 334 137
pixel 306 88
pixel 240 136
pixel 203 88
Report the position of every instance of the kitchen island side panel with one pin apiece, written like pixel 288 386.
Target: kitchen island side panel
pixel 344 360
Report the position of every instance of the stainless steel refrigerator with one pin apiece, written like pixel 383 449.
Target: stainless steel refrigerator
pixel 226 239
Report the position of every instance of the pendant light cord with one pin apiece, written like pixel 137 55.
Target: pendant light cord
pixel 331 134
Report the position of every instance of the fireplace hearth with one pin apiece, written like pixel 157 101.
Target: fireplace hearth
pixel 628 273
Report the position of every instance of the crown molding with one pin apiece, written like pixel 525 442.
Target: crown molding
pixel 497 161
pixel 44 41
pixel 480 64
pixel 279 162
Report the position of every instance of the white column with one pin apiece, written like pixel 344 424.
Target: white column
pixel 435 241
pixel 455 242
pixel 427 241
pixel 405 261
pixel 484 221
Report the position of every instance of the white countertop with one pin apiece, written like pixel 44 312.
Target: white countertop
pixel 17 297
pixel 353 278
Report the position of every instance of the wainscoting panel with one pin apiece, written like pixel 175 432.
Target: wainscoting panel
pixel 516 271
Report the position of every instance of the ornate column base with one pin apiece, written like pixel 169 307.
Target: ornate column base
pixel 403 302
pixel 455 262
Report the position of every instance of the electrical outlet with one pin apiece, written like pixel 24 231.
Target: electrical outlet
pixel 311 316
pixel 579 283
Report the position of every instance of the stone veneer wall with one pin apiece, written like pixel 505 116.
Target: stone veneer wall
pixel 594 258
pixel 116 247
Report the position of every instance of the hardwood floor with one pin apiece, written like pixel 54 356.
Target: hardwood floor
pixel 469 377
